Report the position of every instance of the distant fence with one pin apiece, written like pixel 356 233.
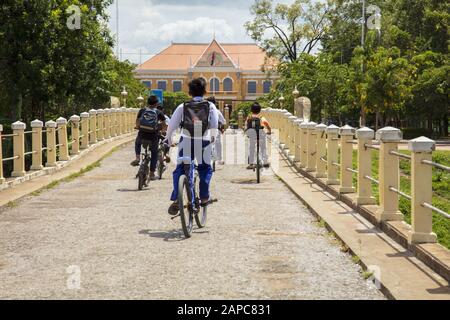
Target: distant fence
pixel 46 144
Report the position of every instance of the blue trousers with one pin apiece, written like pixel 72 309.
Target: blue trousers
pixel 186 162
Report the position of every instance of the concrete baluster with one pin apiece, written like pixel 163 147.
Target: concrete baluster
pixel 312 147
pixel 297 135
pixel 321 145
pixel 93 126
pixel 62 139
pixel 85 130
pixel 241 120
pixel 421 191
pixel 365 137
pixel 332 154
pixel 227 116
pixel 107 123
pixel 75 123
pixel 100 124
pixel 389 174
pixel 19 148
pixel 304 144
pixel 36 138
pixel 347 133
pixel 51 143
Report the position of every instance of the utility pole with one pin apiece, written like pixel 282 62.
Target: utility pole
pixel 117 28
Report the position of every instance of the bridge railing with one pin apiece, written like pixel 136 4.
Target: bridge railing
pixel 63 138
pixel 327 152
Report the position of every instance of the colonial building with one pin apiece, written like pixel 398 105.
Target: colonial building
pixel 233 72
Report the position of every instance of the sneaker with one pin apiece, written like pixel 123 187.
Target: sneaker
pixel 251 167
pixel 135 163
pixel 174 208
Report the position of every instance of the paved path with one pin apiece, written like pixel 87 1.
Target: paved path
pixel 126 247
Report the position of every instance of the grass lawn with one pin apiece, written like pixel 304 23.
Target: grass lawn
pixel 441 191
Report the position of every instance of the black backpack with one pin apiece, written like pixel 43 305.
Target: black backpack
pixel 196 114
pixel 254 123
pixel 149 121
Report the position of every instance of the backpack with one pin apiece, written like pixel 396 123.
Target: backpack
pixel 254 123
pixel 149 121
pixel 196 114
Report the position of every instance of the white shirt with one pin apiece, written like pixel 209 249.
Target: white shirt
pixel 177 118
pixel 221 117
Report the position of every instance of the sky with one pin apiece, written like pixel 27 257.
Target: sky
pixel 150 26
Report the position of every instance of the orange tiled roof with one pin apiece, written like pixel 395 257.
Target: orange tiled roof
pixel 180 56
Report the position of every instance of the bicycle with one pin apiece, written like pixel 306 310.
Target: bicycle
pixel 144 169
pixel 161 164
pixel 191 207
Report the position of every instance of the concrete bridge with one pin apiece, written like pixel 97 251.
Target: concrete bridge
pixel 75 227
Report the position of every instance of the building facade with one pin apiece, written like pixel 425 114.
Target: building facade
pixel 233 72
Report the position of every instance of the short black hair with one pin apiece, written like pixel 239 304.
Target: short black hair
pixel 197 87
pixel 212 100
pixel 152 100
pixel 256 108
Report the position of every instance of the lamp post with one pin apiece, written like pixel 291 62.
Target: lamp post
pixel 124 96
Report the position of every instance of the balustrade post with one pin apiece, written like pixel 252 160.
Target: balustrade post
pixel 321 145
pixel 51 143
pixel 62 139
pixel 285 127
pixel 19 148
pixel 347 133
pixel 2 179
pixel 93 126
pixel 107 123
pixel 36 138
pixel 75 124
pixel 130 120
pixel 85 130
pixel 227 116
pixel 312 147
pixel 100 124
pixel 365 137
pixel 389 174
pixel 297 135
pixel 304 144
pixel 241 120
pixel 332 155
pixel 114 122
pixel 421 191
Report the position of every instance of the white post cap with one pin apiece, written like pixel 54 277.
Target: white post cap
pixel 51 124
pixel 389 134
pixel 422 144
pixel 100 111
pixel 321 128
pixel 18 126
pixel 347 130
pixel 298 122
pixel 61 121
pixel 365 134
pixel 304 125
pixel 85 115
pixel 123 109
pixel 108 111
pixel 37 124
pixel 75 118
pixel 312 125
pixel 92 112
pixel 292 118
pixel 287 114
pixel 333 129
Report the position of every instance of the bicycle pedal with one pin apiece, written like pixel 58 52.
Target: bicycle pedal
pixel 174 217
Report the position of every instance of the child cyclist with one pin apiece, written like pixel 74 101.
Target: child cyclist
pixel 251 133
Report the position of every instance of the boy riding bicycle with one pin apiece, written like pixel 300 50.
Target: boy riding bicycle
pixel 150 122
pixel 251 133
pixel 198 120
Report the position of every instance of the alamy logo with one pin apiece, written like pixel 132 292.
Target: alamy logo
pixel 374 21
pixel 74 20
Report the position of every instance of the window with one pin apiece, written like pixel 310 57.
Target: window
pixel 251 87
pixel 228 85
pixel 214 85
pixel 147 84
pixel 267 86
pixel 177 86
pixel 162 85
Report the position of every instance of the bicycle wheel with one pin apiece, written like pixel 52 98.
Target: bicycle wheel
pixel 142 178
pixel 201 215
pixel 184 201
pixel 160 166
